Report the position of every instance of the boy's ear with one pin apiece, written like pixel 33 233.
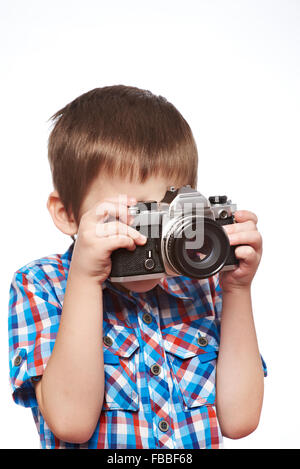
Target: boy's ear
pixel 59 215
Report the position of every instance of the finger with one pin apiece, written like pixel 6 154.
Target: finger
pixel 113 209
pixel 246 253
pixel 123 199
pixel 117 242
pixel 109 210
pixel 104 230
pixel 237 227
pixel 252 238
pixel 245 215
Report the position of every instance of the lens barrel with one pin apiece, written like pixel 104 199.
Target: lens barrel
pixel 204 261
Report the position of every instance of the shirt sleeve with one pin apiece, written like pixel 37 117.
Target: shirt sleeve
pixel 216 296
pixel 33 321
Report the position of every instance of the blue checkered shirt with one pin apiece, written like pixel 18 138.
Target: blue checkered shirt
pixel 160 355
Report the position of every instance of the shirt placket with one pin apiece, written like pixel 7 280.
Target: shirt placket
pixel 157 372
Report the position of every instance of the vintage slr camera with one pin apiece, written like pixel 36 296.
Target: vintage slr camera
pixel 172 227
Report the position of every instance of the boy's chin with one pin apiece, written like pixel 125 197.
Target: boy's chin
pixel 141 286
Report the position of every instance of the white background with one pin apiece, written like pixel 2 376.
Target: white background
pixel 233 69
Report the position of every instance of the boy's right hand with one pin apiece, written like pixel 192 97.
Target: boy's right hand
pixel 96 238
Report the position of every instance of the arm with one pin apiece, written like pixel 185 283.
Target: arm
pixel 70 393
pixel 239 380
pixel 239 371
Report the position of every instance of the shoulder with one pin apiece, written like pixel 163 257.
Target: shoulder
pixel 48 264
pixel 48 274
pixel 60 262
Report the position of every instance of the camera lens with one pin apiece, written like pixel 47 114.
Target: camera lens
pixel 201 261
pixel 198 255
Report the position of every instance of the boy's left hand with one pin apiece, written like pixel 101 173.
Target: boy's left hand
pixel 243 232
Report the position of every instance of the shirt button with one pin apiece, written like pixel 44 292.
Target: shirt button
pixel 155 369
pixel 108 341
pixel 163 426
pixel 18 360
pixel 147 318
pixel 202 341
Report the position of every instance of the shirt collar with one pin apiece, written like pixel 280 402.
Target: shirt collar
pixel 174 286
pixel 171 285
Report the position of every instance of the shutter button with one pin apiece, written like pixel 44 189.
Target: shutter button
pixel 163 426
pixel 108 341
pixel 202 341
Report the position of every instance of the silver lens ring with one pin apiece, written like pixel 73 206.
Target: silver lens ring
pixel 178 226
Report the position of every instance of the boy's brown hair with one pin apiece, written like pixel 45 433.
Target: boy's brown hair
pixel 120 130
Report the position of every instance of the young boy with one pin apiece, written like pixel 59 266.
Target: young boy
pixel 141 364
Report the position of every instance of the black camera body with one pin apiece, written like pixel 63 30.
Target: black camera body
pixel 184 237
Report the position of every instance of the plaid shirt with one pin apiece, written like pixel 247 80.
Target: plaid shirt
pixel 160 352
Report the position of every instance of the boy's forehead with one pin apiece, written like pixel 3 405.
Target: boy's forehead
pixel 153 188
pixel 105 186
